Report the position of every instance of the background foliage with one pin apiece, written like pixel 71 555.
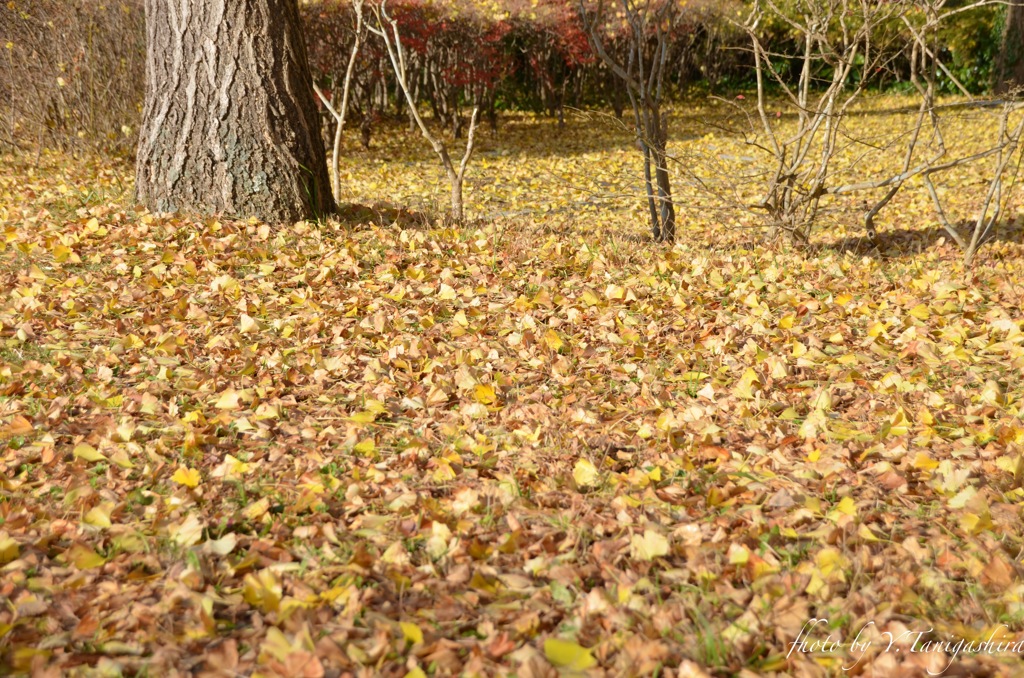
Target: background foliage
pixel 75 70
pixel 73 73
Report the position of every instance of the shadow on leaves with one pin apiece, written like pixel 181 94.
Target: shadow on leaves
pixel 907 242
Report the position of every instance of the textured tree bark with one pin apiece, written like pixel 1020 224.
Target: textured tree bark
pixel 1010 59
pixel 230 126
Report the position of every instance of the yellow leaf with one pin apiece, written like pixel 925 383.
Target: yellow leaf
pixel 228 400
pixel 898 423
pixel 738 554
pixel 366 446
pixel 411 632
pixel 8 549
pixel 786 321
pixel 615 293
pixel 585 473
pixel 553 341
pixel 830 560
pixel 276 645
pixel 189 477
pixel 962 497
pixel 363 417
pixel 991 393
pixel 247 324
pixel 262 590
pixel 925 417
pixel 256 511
pixel 815 585
pixel 813 424
pixel 266 411
pixel 847 506
pixel 568 655
pixel 922 462
pixel 446 292
pixel 484 583
pixel 416 673
pixel 745 386
pixel 972 523
pixel 88 453
pixel 865 533
pixel 1008 463
pixel 223 283
pixel 920 312
pixel 61 253
pixel 84 558
pixel 235 466
pixel 484 393
pixel 649 546
pixel 120 457
pixel 589 298
pixel 99 516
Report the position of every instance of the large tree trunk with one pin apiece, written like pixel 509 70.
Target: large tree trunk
pixel 230 126
pixel 1010 60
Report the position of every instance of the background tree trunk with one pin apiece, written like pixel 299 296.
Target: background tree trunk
pixel 230 125
pixel 1010 60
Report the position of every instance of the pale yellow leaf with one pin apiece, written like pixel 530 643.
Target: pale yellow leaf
pixel 585 473
pixel 649 546
pixel 553 341
pixel 568 656
pixel 88 453
pixel 228 400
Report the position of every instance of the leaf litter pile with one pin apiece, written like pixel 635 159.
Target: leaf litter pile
pixel 537 444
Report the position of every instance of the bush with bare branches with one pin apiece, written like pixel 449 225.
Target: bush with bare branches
pixel 74 73
pixel 840 48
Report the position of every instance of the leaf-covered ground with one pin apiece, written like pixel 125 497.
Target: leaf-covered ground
pixel 535 444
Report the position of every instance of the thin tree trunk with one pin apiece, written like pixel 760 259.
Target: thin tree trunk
pixel 341 112
pixel 642 143
pixel 668 210
pixel 230 125
pixel 387 30
pixel 458 212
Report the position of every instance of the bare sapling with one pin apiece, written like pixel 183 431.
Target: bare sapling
pixel 842 43
pixel 926 137
pixel 339 113
pixel 648 24
pixel 1003 153
pixel 387 29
